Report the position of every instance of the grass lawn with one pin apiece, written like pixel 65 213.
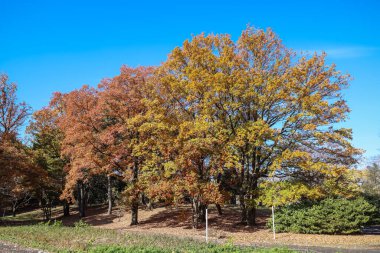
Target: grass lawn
pixel 166 229
pixel 34 215
pixel 55 238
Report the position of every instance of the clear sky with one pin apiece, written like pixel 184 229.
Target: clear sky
pixel 48 46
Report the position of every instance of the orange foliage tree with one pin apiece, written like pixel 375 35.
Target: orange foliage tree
pixel 101 132
pixel 79 140
pixel 20 177
pixel 123 113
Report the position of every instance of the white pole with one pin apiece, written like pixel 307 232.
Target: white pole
pixel 274 228
pixel 206 226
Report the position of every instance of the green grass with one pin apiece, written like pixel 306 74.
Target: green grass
pixel 57 238
pixel 30 215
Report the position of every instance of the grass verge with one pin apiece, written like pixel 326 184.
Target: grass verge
pixel 57 238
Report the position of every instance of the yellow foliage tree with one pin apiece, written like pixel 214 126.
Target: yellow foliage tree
pixel 257 110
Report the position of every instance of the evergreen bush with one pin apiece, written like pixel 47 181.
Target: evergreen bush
pixel 329 216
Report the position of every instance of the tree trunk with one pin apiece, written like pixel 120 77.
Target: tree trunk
pixel 219 208
pixel 109 195
pixel 251 209
pixel 202 213
pixel 46 213
pixel 135 200
pixel 195 208
pixel 251 216
pixel 150 205
pixel 248 213
pixel 146 202
pixel 66 208
pixel 13 211
pixel 143 199
pixel 47 210
pixel 49 205
pixel 134 213
pixel 199 213
pixel 233 200
pixel 81 200
pixel 243 209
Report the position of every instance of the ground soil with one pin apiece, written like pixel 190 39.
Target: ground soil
pixel 13 248
pixel 176 221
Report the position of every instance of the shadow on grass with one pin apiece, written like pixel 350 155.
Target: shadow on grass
pixel 229 221
pixel 174 217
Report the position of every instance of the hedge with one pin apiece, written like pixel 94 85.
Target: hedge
pixel 329 216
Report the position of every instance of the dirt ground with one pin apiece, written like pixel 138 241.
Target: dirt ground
pixel 225 228
pixel 12 248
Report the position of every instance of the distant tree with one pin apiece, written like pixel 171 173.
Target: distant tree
pixel 46 140
pixel 371 187
pixel 371 181
pixel 20 177
pixel 12 113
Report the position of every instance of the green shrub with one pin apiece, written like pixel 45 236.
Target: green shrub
pixel 57 223
pixel 81 224
pixel 329 216
pixel 375 201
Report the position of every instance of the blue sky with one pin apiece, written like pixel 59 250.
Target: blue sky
pixel 49 46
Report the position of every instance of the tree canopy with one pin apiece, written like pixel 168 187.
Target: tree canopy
pixel 219 118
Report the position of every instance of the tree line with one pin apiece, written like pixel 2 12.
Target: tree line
pixel 219 120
